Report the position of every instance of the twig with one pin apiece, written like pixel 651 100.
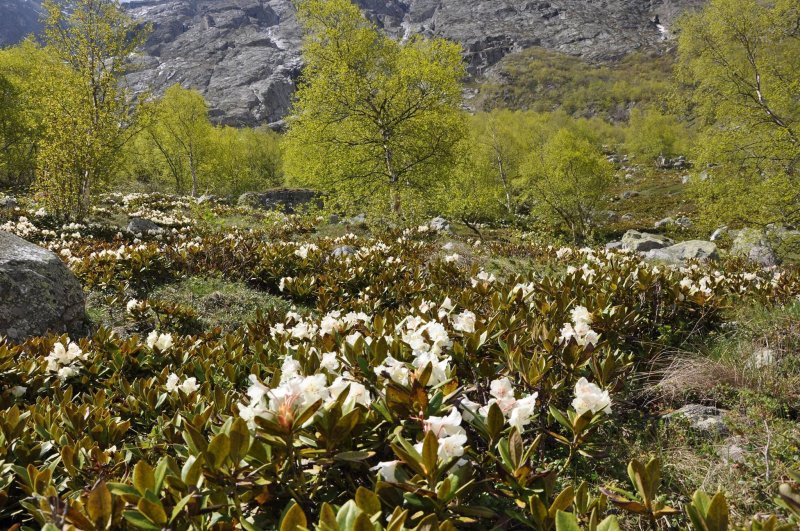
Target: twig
pixel 766 450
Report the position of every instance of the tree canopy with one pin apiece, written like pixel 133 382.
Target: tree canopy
pixel 740 57
pixel 375 120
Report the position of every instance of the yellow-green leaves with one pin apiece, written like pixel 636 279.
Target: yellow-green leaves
pixel 376 122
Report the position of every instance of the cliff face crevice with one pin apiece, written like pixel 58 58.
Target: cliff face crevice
pixel 244 55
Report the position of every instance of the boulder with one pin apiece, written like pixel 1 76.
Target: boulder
pixel 634 240
pixel 38 292
pixel 142 226
pixel 613 246
pixel 287 199
pixel 754 245
pixel 683 251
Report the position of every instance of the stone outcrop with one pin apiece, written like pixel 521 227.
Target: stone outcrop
pixel 244 55
pixel 683 251
pixel 38 293
pixel 18 18
pixel 634 240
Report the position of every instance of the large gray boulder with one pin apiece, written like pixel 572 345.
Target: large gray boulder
pixel 754 245
pixel 38 293
pixel 286 199
pixel 634 240
pixel 143 226
pixel 683 251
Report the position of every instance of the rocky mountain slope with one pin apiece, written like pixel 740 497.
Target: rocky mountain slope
pixel 18 18
pixel 244 54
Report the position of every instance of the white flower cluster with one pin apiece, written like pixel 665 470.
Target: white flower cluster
pixel 589 397
pixel 580 329
pixel 174 384
pixel 483 278
pixel 296 392
pixel 158 341
pixel 62 360
pixel 518 412
pixel 305 249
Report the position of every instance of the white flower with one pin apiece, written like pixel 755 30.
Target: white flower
pixel 134 305
pixel 464 322
pixel 357 394
pixel 450 258
pixel 503 392
pixel 313 388
pixel 452 446
pixel 159 341
pixel 440 367
pixel 523 411
pixel 387 470
pixel 283 282
pixel 18 390
pixel 304 249
pixel 581 315
pixel 188 386
pixel 444 426
pixel 329 362
pixel 66 372
pixel 396 370
pixel 589 397
pixel 290 369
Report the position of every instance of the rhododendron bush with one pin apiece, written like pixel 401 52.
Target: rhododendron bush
pixel 405 389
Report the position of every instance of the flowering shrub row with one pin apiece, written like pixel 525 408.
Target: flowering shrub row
pixel 409 391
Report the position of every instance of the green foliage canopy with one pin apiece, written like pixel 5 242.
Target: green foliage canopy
pixel 375 120
pixel 741 59
pixel 87 115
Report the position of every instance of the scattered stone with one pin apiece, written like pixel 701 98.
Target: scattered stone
pixel 705 419
pixel 142 226
pixel 439 224
pixel 732 451
pixel 8 201
pixel 358 220
pixel 763 255
pixel 343 250
pixel 686 179
pixel 286 199
pixel 666 222
pixel 334 219
pixel 634 240
pixel 683 222
pixel 627 217
pixel 206 198
pixel 39 293
pixel 629 194
pixel 678 163
pixel 762 358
